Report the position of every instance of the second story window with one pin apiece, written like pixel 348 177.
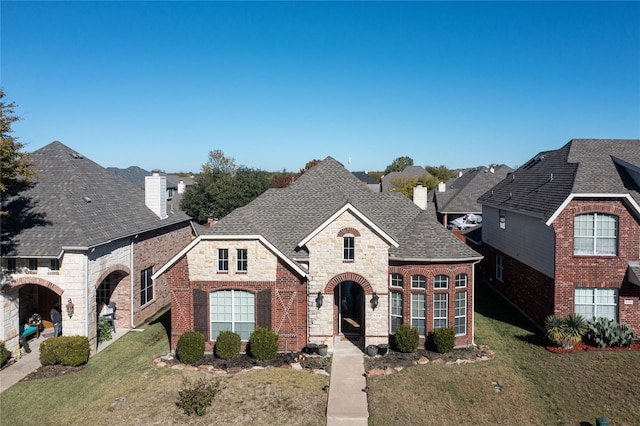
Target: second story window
pixel 461 280
pixel 418 281
pixel 242 263
pixel 33 264
pixel 595 234
pixel 396 280
pixel 349 248
pixel 54 265
pixel 146 286
pixel 11 264
pixel 441 281
pixel 223 260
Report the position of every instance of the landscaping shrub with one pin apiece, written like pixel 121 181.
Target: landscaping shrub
pixel 194 398
pixel 444 339
pixel 227 345
pixel 565 332
pixel 263 344
pixel 104 330
pixel 190 347
pixel 407 338
pixel 65 350
pixel 3 353
pixel 605 332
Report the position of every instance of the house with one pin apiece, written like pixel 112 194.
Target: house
pixel 371 182
pixel 84 237
pixel 396 180
pixel 324 257
pixel 458 197
pixel 561 233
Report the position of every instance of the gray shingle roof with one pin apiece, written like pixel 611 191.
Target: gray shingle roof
pixel 136 175
pixel 582 166
pixel 285 216
pixel 461 194
pixel 58 215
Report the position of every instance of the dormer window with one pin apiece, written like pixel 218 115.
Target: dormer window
pixel 349 248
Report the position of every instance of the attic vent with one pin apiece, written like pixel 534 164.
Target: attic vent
pixel 86 199
pixel 75 155
pixel 551 178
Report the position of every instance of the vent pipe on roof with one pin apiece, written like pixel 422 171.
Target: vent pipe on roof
pixel 155 194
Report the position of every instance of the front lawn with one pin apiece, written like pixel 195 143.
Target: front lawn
pixel 536 386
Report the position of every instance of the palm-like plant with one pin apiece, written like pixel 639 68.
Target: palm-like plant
pixel 565 332
pixel 555 331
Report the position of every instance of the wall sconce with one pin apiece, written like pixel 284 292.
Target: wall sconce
pixel 69 307
pixel 374 301
pixel 319 300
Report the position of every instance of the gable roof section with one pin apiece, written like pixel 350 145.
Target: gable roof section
pixel 60 216
pixel 286 217
pixel 581 168
pixel 461 194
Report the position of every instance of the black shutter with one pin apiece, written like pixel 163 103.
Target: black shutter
pixel 201 312
pixel 263 308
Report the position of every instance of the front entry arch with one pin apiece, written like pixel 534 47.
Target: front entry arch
pixel 348 299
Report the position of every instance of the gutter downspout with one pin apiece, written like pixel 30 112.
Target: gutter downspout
pixel 132 279
pixel 473 305
pixel 86 297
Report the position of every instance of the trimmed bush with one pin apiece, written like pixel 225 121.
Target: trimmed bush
pixel 190 347
pixel 605 332
pixel 65 350
pixel 407 338
pixel 195 397
pixel 227 345
pixel 263 344
pixel 3 353
pixel 444 339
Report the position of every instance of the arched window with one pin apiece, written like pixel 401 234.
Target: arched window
pixel 232 310
pixel 595 234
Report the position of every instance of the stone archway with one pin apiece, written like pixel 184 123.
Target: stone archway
pixel 349 291
pixel 114 287
pixel 36 295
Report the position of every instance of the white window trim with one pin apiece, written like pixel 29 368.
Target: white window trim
pixel 446 310
pixel 595 237
pixel 220 260
pixel 423 281
pixel 466 280
pixel 424 311
pixel 242 265
pixel 391 281
pixel 391 314
pixel 349 248
pixel 457 317
pixel 446 282
pixel 233 315
pixel 499 268
pixel 595 303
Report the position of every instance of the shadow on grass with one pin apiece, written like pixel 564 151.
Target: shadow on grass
pixel 493 305
pixel 164 319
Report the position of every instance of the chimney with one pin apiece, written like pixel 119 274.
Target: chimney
pixel 492 170
pixel 442 187
pixel 181 187
pixel 420 196
pixel 155 194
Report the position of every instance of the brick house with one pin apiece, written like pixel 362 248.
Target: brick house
pixel 324 257
pixel 83 235
pixel 561 234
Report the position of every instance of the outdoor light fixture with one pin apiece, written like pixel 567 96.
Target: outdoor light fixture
pixel 374 301
pixel 69 307
pixel 319 300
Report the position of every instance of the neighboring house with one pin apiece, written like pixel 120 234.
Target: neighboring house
pixel 181 183
pixel 83 236
pixel 561 234
pixel 371 182
pixel 324 257
pixel 458 197
pixel 136 176
pixel 395 180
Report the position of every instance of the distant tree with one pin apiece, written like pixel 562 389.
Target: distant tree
pixel 282 180
pixel 222 187
pixel 307 166
pixel 16 172
pixel 442 173
pixel 376 175
pixel 399 164
pixel 406 185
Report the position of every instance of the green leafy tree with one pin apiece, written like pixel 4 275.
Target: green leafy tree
pixel 399 164
pixel 406 185
pixel 307 166
pixel 442 173
pixel 16 171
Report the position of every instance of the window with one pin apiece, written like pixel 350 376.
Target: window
pixel 418 281
pixel 11 264
pixel 596 302
pixel 223 260
pixel 441 281
pixel 54 265
pixel 595 234
pixel 461 313
pixel 440 302
pixel 349 248
pixel 146 286
pixel 396 280
pixel 396 310
pixel 499 268
pixel 502 219
pixel 243 264
pixel 418 316
pixel 232 310
pixel 32 264
pixel 103 293
pixel 461 280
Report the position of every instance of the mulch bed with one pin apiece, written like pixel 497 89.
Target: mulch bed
pixel 585 347
pixel 48 371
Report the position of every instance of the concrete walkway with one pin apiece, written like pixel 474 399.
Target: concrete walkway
pixel 30 362
pixel 347 403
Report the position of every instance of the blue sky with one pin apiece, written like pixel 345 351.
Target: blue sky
pixel 277 84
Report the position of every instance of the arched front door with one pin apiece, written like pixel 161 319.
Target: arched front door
pixel 349 300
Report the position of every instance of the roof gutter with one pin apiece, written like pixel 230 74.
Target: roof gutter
pixel 439 260
pixel 572 196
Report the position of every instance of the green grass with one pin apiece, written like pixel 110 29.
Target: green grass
pixel 125 370
pixel 538 386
